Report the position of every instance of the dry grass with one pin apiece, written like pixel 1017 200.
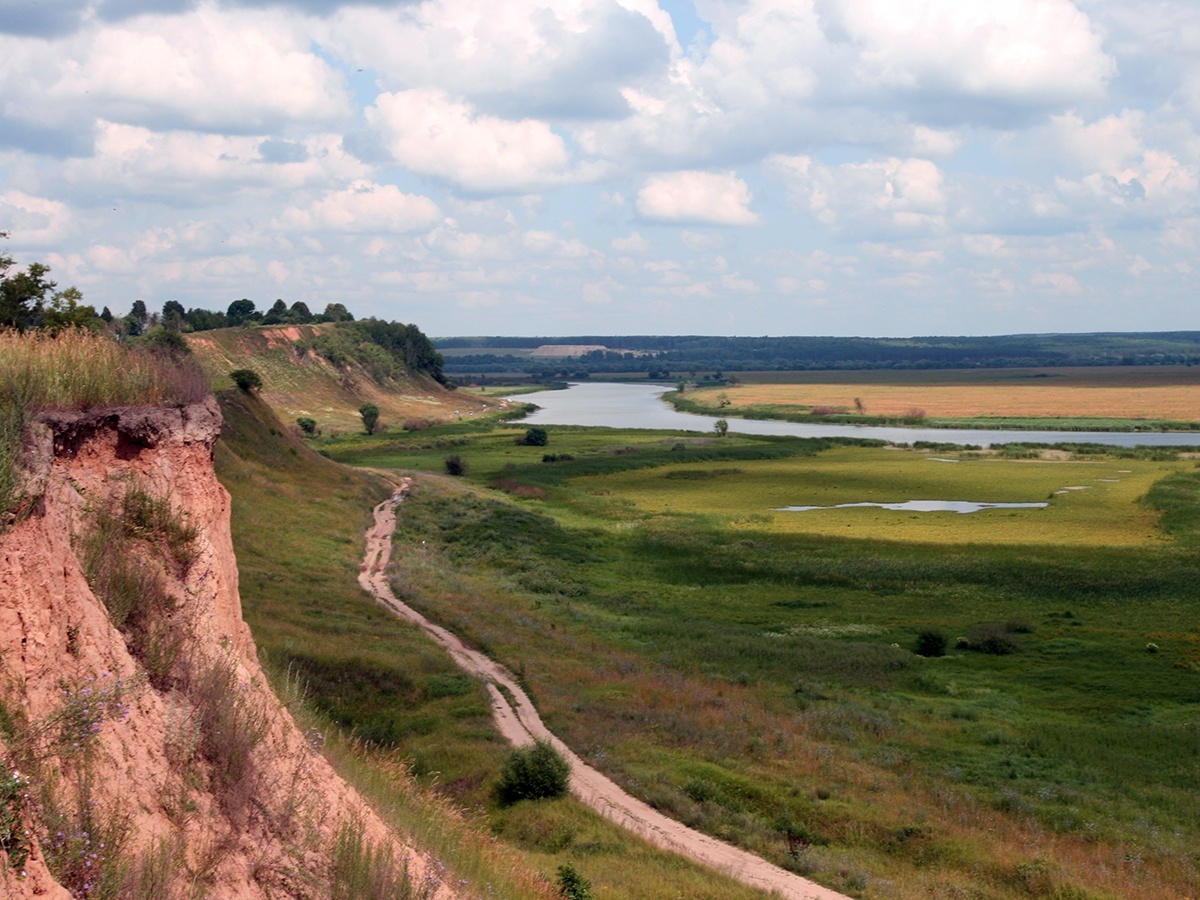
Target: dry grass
pixel 78 369
pixel 1126 392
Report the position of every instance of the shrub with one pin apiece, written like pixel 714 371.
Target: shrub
pixel 931 643
pixel 370 417
pixel 535 437
pixel 721 427
pixel 535 772
pixel 246 379
pixel 993 639
pixel 455 465
pixel 572 885
pixel 307 425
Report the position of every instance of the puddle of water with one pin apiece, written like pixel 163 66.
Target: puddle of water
pixel 956 506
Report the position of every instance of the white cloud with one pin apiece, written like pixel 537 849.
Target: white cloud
pixel 1043 52
pixel 365 207
pixel 433 135
pixel 714 198
pixel 879 196
pixel 35 221
pixel 210 69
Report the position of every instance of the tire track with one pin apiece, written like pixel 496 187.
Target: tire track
pixel 520 724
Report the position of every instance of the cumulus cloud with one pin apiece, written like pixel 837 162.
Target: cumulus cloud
pixel 35 221
pixel 365 207
pixel 888 196
pixel 712 198
pixel 1017 54
pixel 209 70
pixel 431 134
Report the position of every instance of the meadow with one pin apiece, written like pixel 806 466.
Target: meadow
pixel 394 713
pixel 1100 398
pixel 754 672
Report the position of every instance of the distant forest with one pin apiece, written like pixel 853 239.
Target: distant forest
pixel 667 357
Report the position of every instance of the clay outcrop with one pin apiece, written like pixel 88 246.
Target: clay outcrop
pixel 141 750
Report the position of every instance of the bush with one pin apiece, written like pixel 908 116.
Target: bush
pixel 455 465
pixel 572 885
pixel 246 379
pixel 535 772
pixel 307 425
pixel 535 437
pixel 931 643
pixel 993 639
pixel 370 417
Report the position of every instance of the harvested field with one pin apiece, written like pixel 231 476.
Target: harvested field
pixel 1133 392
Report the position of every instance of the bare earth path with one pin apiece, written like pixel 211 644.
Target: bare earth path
pixel 520 724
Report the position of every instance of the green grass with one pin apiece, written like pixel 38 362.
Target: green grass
pixel 387 694
pixel 760 683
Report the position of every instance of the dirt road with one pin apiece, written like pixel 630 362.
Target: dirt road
pixel 520 724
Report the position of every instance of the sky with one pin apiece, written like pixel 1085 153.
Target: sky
pixel 573 167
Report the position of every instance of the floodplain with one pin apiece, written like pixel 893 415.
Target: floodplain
pixel 756 673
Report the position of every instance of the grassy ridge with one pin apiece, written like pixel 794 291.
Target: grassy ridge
pixel 762 685
pixel 298 521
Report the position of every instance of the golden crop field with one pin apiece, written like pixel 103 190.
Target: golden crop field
pixel 1123 392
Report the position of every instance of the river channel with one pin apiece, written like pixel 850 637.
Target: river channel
pixel 641 406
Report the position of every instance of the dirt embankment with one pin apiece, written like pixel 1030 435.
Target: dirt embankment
pixel 151 759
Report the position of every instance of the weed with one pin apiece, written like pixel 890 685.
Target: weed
pixel 231 726
pixel 14 833
pixel 360 870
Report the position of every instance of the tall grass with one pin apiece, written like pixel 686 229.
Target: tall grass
pixel 79 370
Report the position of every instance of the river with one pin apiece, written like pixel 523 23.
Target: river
pixel 627 405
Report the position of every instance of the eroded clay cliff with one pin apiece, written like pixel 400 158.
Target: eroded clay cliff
pixel 149 759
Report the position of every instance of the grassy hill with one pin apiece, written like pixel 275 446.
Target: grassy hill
pixel 315 371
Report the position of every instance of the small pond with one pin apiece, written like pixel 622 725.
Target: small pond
pixel 956 506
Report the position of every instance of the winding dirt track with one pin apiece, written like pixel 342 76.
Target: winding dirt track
pixel 520 724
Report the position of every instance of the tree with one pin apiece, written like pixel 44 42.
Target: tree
pixel 276 314
pixel 535 437
pixel 22 294
pixel 299 313
pixel 370 416
pixel 240 312
pixel 721 427
pixel 307 425
pixel 247 379
pixel 173 315
pixel 66 311
pixel 336 312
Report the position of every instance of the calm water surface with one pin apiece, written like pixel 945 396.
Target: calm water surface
pixel 641 406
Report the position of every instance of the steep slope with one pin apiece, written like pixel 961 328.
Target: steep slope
pixel 299 381
pixel 151 759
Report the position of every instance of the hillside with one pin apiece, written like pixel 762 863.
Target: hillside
pixel 311 371
pixel 143 753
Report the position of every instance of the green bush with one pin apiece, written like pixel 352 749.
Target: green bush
pixel 931 643
pixel 572 885
pixel 535 437
pixel 455 465
pixel 535 772
pixel 307 425
pixel 246 379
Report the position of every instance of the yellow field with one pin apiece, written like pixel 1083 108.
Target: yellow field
pixel 1123 392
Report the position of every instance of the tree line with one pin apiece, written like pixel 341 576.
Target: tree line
pixel 30 300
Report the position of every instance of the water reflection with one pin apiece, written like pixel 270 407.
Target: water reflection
pixel 956 506
pixel 627 405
